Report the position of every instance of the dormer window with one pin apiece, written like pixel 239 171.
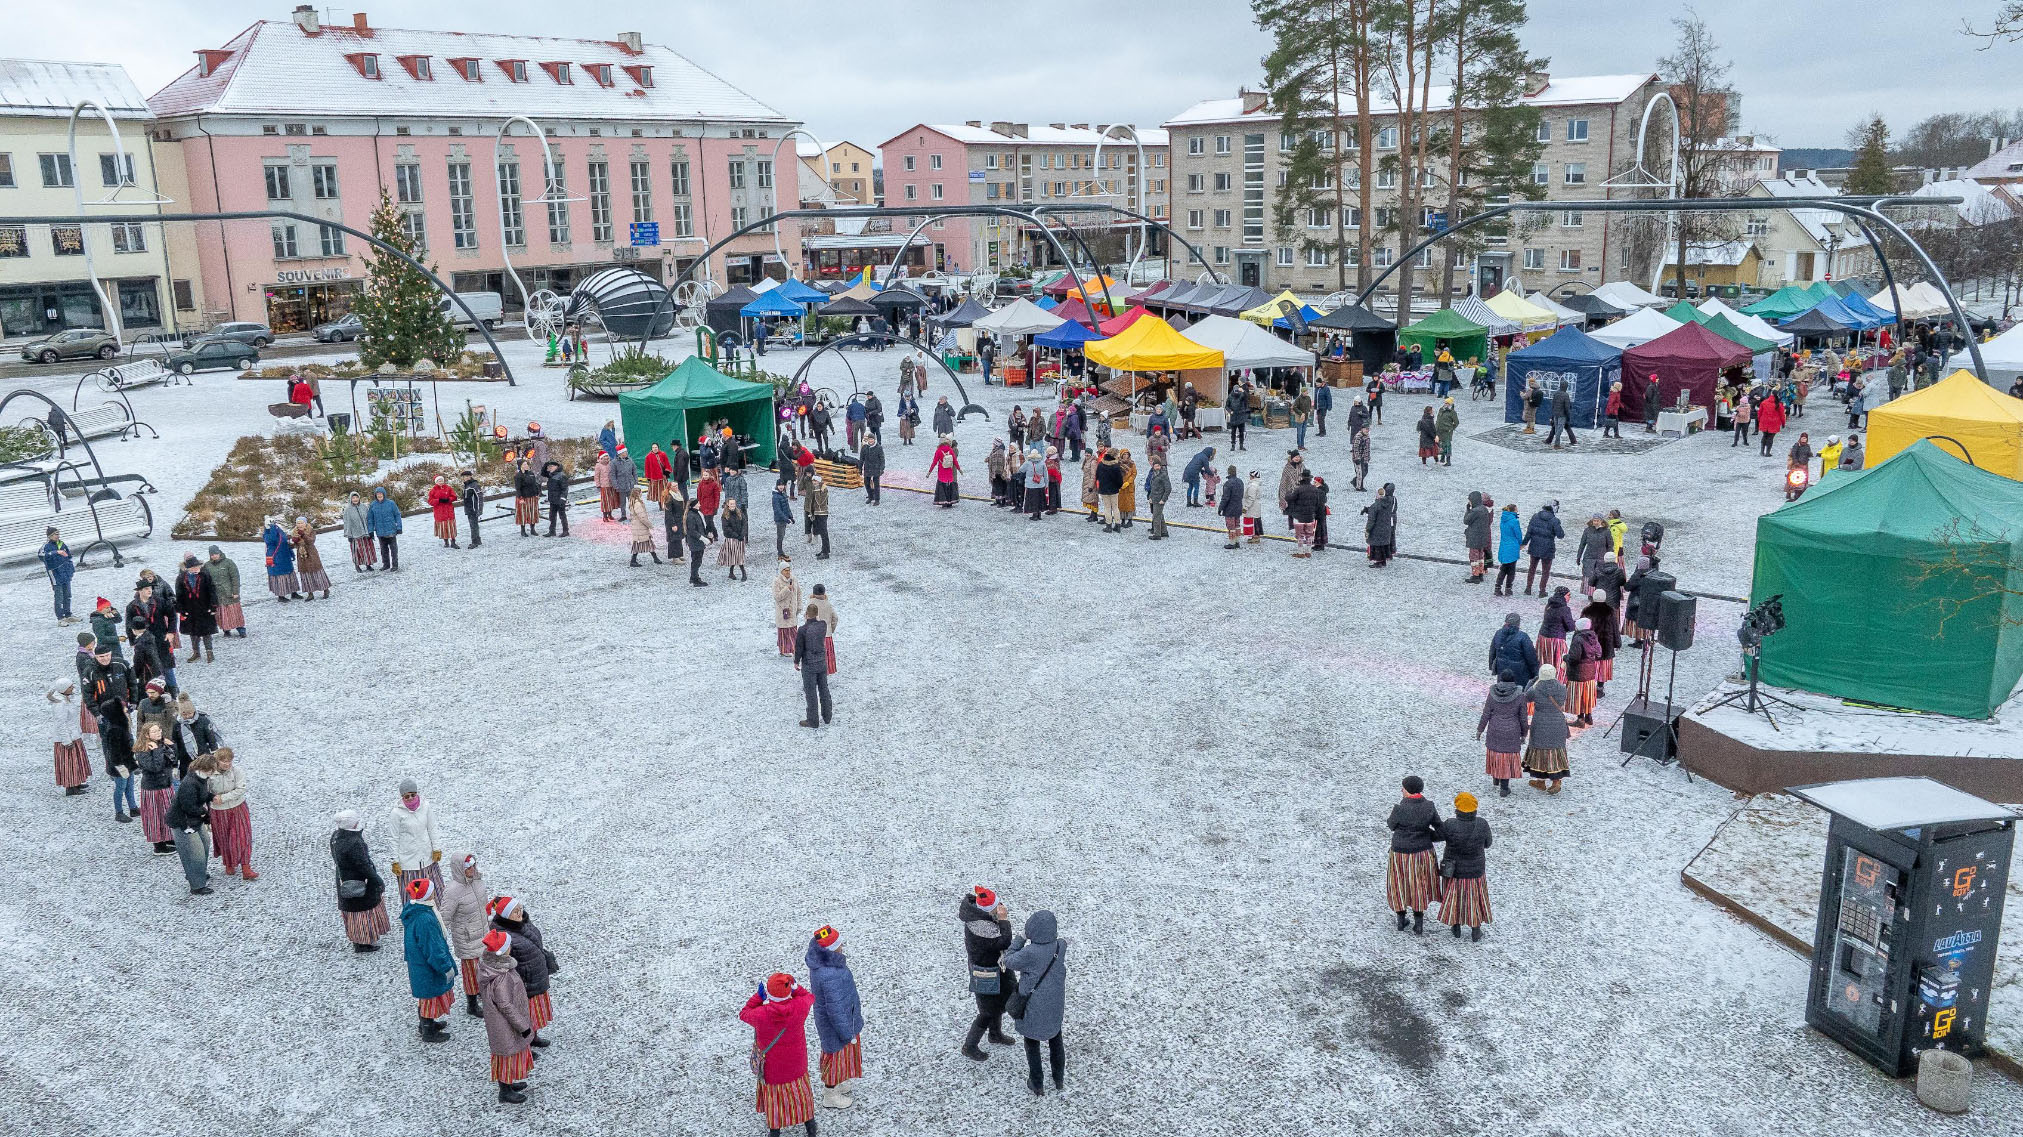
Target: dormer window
pixel 557 71
pixel 417 66
pixel 641 73
pixel 367 63
pixel 467 69
pixel 515 69
pixel 209 60
pixel 600 73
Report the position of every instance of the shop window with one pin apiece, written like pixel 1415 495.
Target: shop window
pixel 186 295
pixel 13 241
pixel 129 239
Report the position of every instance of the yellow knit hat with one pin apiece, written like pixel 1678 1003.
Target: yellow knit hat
pixel 1464 802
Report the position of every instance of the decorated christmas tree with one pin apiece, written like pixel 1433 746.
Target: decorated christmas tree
pixel 400 311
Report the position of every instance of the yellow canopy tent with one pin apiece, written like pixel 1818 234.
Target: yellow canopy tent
pixel 1092 294
pixel 1509 305
pixel 1961 415
pixel 1150 344
pixel 1268 311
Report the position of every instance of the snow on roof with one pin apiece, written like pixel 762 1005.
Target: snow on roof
pixel 1587 90
pixel 2004 163
pixel 1815 222
pixel 46 87
pixel 1900 803
pixel 1044 136
pixel 1729 253
pixel 1983 206
pixel 276 66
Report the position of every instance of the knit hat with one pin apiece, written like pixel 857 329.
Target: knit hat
pixel 826 936
pixel 1512 619
pixel 1414 784
pixel 1506 676
pixel 407 786
pixel 498 942
pixel 821 590
pixel 216 551
pixel 85 638
pixel 348 819
pixel 1583 624
pixel 421 889
pixel 779 985
pixel 1598 595
pixel 157 684
pixel 984 897
pixel 1464 802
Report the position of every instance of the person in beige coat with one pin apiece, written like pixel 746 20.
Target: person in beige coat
pixel 786 607
pixel 825 612
pixel 463 911
pixel 642 528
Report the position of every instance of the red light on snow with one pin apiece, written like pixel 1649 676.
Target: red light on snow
pixel 1797 478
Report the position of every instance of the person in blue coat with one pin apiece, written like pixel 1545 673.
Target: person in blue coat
pixel 1196 469
pixel 1324 401
pixel 839 1017
pixel 382 519
pixel 1541 544
pixel 1512 651
pixel 281 578
pixel 783 516
pixel 607 439
pixel 1509 541
pixel 431 969
pixel 56 561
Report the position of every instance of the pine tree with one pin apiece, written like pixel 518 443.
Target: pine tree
pixel 1491 137
pixel 1318 67
pixel 399 312
pixel 1871 173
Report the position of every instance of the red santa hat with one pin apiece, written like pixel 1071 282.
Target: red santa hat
pixel 104 603
pixel 984 897
pixel 779 985
pixel 507 907
pixel 498 942
pixel 421 889
pixel 826 936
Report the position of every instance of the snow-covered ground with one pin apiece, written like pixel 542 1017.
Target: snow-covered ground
pixel 1185 752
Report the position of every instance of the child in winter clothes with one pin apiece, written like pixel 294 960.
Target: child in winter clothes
pixel 1253 507
pixel 509 1024
pixel 839 1017
pixel 431 969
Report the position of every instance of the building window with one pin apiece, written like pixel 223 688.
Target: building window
pixel 679 170
pixel 415 225
pixel 1569 260
pixel 1285 145
pixel 516 69
pixel 284 242
pixel 1195 145
pixel 1222 218
pixel 330 240
pixel 463 208
pixel 1194 217
pixel 1317 258
pixel 558 209
pixel 1541 174
pixel 1381 256
pixel 1387 179
pixel 644 74
pixel 684 224
pixel 1759 227
pixel 1576 173
pixel 185 295
pixel 407 183
pixel 129 239
pixel 737 173
pixel 600 201
pixel 738 218
pixel 1545 130
pixel 1355 217
pixel 561 73
pixel 13 241
pixel 1353 256
pixel 1222 144
pixel 910 193
pixel 1534 259
pixel 990 161
pixel 468 68
pixel 1222 254
pixel 6 171
pixel 109 172
pixel 1576 130
pixel 765 173
pixel 55 171
pixel 907 161
pixel 1387 138
pixel 1222 182
pixel 1571 219
pixel 277 183
pixel 934 191
pixel 934 161
pixel 1194 183
pixel 1320 218
pixel 323 181
pixel 1383 215
pixel 1284 253
pixel 511 218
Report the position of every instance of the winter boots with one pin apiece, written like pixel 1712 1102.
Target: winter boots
pixel 835 1098
pixel 510 1092
pixel 970 1049
pixel 433 1031
pixel 362 949
pixel 1418 923
pixel 471 1007
pixel 1402 922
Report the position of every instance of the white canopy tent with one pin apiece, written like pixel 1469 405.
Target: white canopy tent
pixel 1021 317
pixel 1494 323
pixel 1920 301
pixel 1244 344
pixel 1754 325
pixel 1636 329
pixel 1565 316
pixel 765 284
pixel 1625 295
pixel 2003 356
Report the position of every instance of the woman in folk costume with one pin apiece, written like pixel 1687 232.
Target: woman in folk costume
pixel 357 525
pixel 945 466
pixel 825 612
pixel 778 1015
pixel 658 470
pixel 361 899
pixel 281 580
pixel 416 852
pixel 157 761
pixel 431 969
pixel 1464 897
pixel 309 562
pixel 526 498
pixel 73 765
pixel 462 908
pixel 1412 878
pixel 839 1017
pixel 737 529
pixel 607 497
pixel 786 606
pixel 224 574
pixel 196 607
pixel 1127 495
pixel 642 528
pixel 231 821
pixel 442 505
pixel 531 955
pixel 1505 720
pixel 1602 616
pixel 1545 757
pixel 1583 660
pixel 509 1022
pixel 1553 632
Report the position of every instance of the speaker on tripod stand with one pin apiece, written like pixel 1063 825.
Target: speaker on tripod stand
pixel 1647 729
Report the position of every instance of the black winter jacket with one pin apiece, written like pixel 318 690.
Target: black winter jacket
pixel 1414 824
pixel 1475 522
pixel 1467 836
pixel 1109 477
pixel 157 767
pixel 191 807
pixel 526 483
pixel 871 461
pixel 1306 503
pixel 354 862
pixel 531 959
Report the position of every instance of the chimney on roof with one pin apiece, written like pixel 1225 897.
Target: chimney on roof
pixel 973 123
pixel 1079 125
pixel 358 22
pixel 305 18
pixel 1253 101
pixel 632 42
pixel 1009 129
pixel 1535 83
pixel 1058 125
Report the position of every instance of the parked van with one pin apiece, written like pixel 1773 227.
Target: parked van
pixel 489 306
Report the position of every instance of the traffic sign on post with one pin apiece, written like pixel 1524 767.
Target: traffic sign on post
pixel 645 233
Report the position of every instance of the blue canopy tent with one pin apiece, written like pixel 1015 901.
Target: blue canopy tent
pixel 800 293
pixel 1307 312
pixel 1837 310
pixel 1861 307
pixel 1568 356
pixel 771 303
pixel 1046 303
pixel 1070 336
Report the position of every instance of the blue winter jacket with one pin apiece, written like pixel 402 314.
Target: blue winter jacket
pixel 1541 537
pixel 1198 465
pixel 783 514
pixel 1511 650
pixel 607 441
pixel 382 516
pixel 1509 538
pixel 56 558
pixel 1324 398
pixel 839 1017
pixel 430 966
pixel 280 554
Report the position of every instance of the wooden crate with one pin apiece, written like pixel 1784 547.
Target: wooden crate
pixel 1342 372
pixel 837 474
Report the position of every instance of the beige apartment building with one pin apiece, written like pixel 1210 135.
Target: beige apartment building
pixel 850 173
pixel 1228 166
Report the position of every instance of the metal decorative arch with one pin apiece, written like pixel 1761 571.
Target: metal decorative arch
pixel 1868 210
pixel 1144 176
pixel 968 404
pixel 779 250
pixel 61 413
pixel 547 197
pixel 108 303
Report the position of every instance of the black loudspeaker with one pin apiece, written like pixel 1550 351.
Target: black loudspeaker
pixel 1644 730
pixel 1676 612
pixel 1654 585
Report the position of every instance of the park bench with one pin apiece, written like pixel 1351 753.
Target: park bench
pixel 110 419
pixel 25 497
pixel 130 376
pixel 120 520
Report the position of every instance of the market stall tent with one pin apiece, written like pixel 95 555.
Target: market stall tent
pixel 969 313
pixel 847 305
pixel 1686 314
pixel 1115 324
pixel 1959 414
pixel 1513 307
pixel 1464 337
pixel 723 313
pixel 1151 344
pixel 694 395
pixel 2003 356
pixel 1263 314
pixel 1920 301
pixel 1475 310
pixel 1073 309
pixel 1021 317
pixel 771 303
pixel 1372 338
pixel 1690 358
pixel 1897 585
pixel 1594 307
pixel 1307 312
pixel 1561 314
pixel 1638 328
pixel 1244 344
pixel 1567 358
pixel 800 293
pixel 1787 301
pixel 1754 325
pixel 1815 322
pixel 1626 296
pixel 1068 336
pixel 1725 328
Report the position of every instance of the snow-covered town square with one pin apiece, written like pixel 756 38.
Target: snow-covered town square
pixel 607 582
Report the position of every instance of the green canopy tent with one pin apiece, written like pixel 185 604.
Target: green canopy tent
pixel 681 406
pixel 1724 327
pixel 1464 337
pixel 1686 314
pixel 1784 303
pixel 1902 585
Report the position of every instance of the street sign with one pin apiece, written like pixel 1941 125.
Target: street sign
pixel 1439 222
pixel 645 233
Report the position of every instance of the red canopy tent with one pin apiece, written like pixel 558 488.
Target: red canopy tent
pixel 1115 324
pixel 1689 359
pixel 1074 309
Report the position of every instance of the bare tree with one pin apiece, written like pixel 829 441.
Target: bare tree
pixel 2008 26
pixel 1708 107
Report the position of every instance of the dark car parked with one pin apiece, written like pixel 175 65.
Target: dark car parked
pixel 77 343
pixel 244 331
pixel 212 353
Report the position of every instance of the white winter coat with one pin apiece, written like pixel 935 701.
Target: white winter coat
pixel 463 911
pixel 414 835
pixel 786 603
pixel 63 728
pixel 227 789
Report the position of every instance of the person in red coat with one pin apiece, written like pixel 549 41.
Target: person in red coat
pixel 442 503
pixel 778 1015
pixel 709 495
pixel 1769 420
pixel 1612 413
pixel 658 471
pixel 299 391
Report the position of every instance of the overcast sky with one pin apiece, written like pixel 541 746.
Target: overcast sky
pixel 866 71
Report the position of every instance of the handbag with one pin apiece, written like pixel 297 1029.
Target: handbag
pixel 759 1056
pixel 1023 997
pixel 351 889
pixel 985 981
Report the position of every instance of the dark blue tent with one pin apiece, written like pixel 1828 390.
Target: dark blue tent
pixel 1068 337
pixel 1568 356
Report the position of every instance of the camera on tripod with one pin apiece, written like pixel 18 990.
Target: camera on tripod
pixel 1761 622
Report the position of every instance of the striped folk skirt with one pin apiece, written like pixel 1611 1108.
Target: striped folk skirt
pixel 829 654
pixel 1543 763
pixel 469 967
pixel 608 499
pixel 232 836
pixel 786 637
pixel 154 808
pixel 87 722
pixel 439 1006
pixel 844 1064
pixel 1580 697
pixel 1605 669
pixel 646 546
pixel 283 584
pixel 432 871
pixel 73 765
pixel 787 1104
pixel 446 529
pixel 1500 765
pixel 315 580
pixel 729 552
pixel 231 617
pixel 365 927
pixel 512 1069
pixel 363 554
pixel 1412 881
pixel 1465 902
pixel 541 1010
pixel 1550 651
pixel 656 490
pixel 526 511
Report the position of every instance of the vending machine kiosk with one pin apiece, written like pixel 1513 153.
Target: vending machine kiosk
pixel 1910 910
